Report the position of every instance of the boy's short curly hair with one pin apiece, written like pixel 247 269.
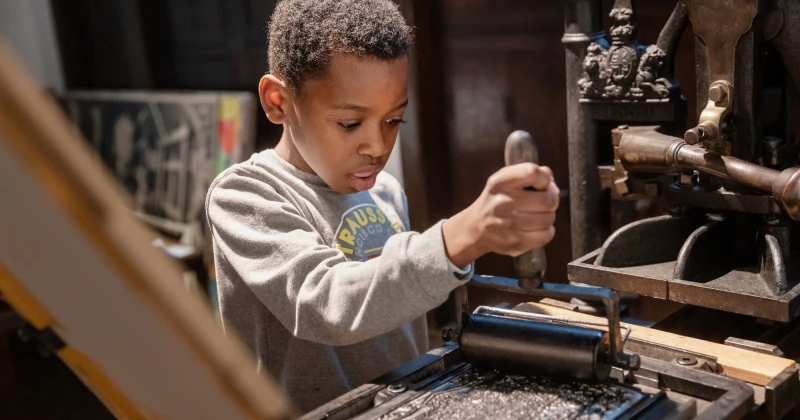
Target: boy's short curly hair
pixel 303 34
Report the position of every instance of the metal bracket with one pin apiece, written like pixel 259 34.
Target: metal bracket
pixel 754 346
pixel 709 128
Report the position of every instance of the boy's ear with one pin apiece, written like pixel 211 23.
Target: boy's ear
pixel 274 98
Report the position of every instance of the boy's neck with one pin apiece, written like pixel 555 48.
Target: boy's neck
pixel 286 150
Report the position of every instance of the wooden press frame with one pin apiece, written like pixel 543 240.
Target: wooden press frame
pixel 39 136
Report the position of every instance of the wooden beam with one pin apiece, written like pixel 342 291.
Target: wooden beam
pixel 425 139
pixel 745 365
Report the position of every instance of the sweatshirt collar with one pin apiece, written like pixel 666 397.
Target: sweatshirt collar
pixel 268 156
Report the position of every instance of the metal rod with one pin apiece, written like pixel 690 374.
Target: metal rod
pixel 747 174
pixel 645 149
pixel 488 310
pixel 671 33
pixel 582 24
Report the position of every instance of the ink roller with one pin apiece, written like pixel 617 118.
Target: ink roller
pixel 537 344
pixel 560 351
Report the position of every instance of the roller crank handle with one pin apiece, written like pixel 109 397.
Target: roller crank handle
pixel 531 265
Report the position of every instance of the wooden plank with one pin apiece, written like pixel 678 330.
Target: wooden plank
pixel 747 366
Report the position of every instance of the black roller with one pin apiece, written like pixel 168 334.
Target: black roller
pixel 559 351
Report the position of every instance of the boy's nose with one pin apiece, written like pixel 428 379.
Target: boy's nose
pixel 374 146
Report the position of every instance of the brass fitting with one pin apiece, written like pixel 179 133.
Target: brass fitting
pixel 707 132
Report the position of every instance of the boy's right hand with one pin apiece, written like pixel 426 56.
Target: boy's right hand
pixel 506 218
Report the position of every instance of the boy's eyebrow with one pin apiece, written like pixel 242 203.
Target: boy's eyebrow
pixel 350 107
pixel 402 105
pixel 354 107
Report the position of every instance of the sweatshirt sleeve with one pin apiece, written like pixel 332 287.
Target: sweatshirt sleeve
pixel 310 287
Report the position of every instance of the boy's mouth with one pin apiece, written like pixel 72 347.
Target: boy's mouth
pixel 365 179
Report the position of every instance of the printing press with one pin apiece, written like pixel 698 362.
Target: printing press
pixel 726 190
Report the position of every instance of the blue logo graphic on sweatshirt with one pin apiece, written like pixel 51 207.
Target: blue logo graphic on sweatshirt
pixel 363 232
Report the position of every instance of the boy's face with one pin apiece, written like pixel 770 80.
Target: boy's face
pixel 344 125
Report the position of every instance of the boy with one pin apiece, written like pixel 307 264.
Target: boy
pixel 316 268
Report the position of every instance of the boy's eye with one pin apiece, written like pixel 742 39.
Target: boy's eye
pixel 349 126
pixel 395 121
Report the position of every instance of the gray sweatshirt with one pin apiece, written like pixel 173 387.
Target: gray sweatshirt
pixel 328 290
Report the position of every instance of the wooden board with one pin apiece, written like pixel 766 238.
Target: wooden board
pixel 74 259
pixel 747 366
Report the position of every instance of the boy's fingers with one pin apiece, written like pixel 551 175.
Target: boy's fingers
pixel 537 239
pixel 518 177
pixel 554 189
pixel 548 171
pixel 533 202
pixel 532 222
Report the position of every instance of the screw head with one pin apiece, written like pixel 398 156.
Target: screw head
pixel 694 135
pixel 687 361
pixel 396 388
pixel 447 335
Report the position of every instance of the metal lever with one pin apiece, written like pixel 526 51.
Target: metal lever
pixel 645 149
pixel 530 266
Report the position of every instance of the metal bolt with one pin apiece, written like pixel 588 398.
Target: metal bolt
pixel 687 361
pixel 633 361
pixel 447 335
pixel 771 147
pixel 695 135
pixel 717 93
pixel 688 179
pixel 396 388
pixel 772 142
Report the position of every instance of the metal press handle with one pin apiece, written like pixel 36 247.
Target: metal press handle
pixel 530 266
